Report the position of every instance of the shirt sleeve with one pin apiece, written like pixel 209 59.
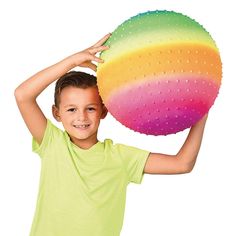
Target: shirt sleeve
pixel 134 160
pixel 50 133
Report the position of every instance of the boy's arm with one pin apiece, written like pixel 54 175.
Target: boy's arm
pixel 184 160
pixel 27 92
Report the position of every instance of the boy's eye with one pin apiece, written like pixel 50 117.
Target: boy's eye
pixel 71 109
pixel 91 109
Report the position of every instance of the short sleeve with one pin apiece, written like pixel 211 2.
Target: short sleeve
pixel 49 133
pixel 134 160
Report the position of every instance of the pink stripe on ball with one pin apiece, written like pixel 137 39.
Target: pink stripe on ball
pixel 164 106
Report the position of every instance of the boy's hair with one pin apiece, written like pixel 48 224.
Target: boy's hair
pixel 75 79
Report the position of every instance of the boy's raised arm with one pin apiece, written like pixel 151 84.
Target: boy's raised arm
pixel 184 160
pixel 27 92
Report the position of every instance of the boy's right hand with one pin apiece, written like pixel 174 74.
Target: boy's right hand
pixel 85 57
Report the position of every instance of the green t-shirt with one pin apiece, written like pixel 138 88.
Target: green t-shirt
pixel 82 192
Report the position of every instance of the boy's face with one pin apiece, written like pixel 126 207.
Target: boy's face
pixel 80 111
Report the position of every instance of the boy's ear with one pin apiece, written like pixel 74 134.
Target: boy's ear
pixel 104 111
pixel 55 113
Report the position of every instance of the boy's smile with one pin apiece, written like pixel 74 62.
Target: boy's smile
pixel 80 111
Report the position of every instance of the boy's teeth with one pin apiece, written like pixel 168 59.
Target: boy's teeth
pixel 81 126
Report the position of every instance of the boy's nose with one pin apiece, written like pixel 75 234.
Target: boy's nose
pixel 82 116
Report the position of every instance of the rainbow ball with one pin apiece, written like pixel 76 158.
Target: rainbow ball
pixel 161 74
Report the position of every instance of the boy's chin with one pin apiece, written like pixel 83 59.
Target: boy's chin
pixel 84 137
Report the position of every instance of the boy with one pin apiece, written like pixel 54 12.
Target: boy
pixel 83 181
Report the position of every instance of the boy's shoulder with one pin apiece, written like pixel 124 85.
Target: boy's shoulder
pixel 122 149
pixel 109 143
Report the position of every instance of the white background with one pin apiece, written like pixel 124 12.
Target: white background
pixel 36 34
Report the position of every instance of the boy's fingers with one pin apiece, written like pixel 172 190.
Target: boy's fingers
pixel 92 66
pixel 98 49
pixel 102 40
pixel 97 59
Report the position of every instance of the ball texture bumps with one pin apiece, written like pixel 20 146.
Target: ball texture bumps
pixel 161 74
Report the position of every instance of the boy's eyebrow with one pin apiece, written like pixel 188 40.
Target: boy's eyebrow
pixel 72 105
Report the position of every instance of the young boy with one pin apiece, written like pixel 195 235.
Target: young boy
pixel 83 181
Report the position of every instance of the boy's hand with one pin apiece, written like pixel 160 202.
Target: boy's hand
pixel 85 57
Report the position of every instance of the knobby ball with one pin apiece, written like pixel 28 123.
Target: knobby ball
pixel 161 74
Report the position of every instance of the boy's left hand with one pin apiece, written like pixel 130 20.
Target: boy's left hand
pixel 184 160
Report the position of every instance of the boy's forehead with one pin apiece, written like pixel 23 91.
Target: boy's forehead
pixel 73 95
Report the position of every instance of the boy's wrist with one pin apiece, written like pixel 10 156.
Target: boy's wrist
pixel 69 62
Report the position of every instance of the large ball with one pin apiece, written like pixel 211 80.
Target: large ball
pixel 161 74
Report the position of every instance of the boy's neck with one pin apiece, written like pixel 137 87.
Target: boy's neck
pixel 84 143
